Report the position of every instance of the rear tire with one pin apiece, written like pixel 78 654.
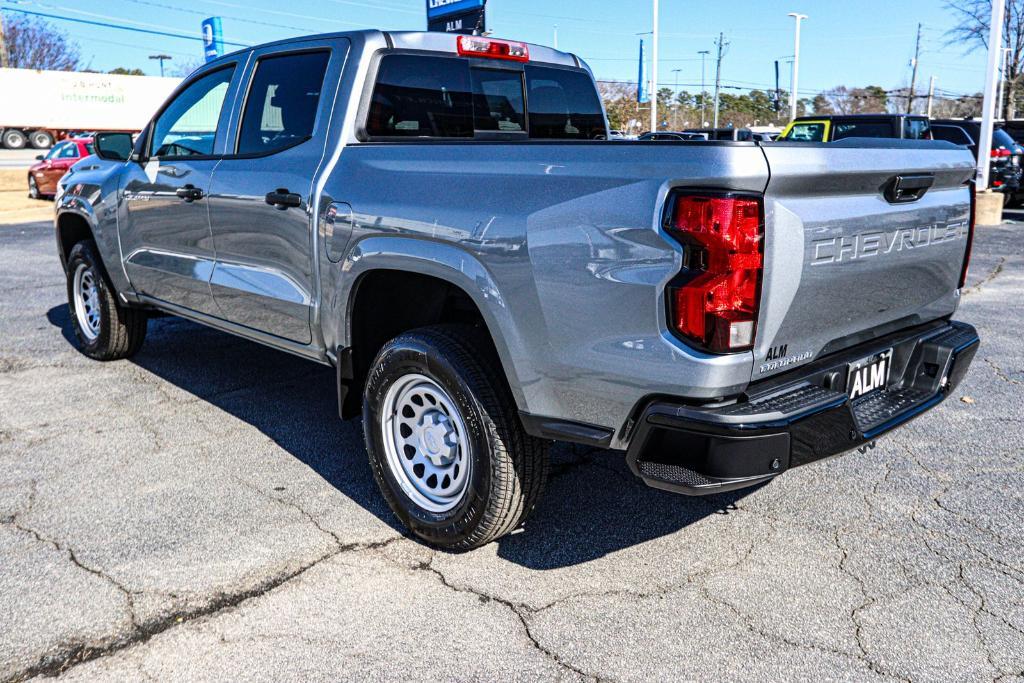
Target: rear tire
pixel 444 439
pixel 14 139
pixel 105 330
pixel 40 139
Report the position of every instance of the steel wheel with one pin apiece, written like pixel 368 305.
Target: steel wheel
pixel 426 443
pixel 87 301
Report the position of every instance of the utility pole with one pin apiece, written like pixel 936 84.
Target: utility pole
pixel 913 73
pixel 718 74
pixel 555 44
pixel 796 63
pixel 931 95
pixel 3 43
pixel 703 89
pixel 995 41
pixel 161 58
pixel 654 72
pixel 778 93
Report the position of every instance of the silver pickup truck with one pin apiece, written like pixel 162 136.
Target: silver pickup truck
pixel 440 218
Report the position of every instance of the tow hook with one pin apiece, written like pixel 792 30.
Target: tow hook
pixel 869 446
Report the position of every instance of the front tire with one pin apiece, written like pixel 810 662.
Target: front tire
pixel 33 188
pixel 445 442
pixel 105 330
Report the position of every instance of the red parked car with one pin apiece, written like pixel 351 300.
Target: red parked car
pixel 43 176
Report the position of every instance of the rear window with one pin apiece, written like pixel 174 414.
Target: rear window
pixel 1000 138
pixel 563 105
pixel 443 97
pixel 421 97
pixel 916 129
pixel 861 129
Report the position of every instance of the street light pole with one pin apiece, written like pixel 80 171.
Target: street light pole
pixel 1002 83
pixel 703 116
pixel 654 72
pixel 796 63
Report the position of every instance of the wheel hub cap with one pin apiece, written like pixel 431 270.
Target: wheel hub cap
pixel 87 301
pixel 425 441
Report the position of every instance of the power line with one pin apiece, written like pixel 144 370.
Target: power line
pixel 88 22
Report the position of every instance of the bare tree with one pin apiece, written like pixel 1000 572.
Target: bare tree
pixel 971 32
pixel 35 44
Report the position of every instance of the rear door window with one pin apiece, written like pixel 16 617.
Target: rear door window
pixel 954 134
pixel 421 97
pixel 283 100
pixel 563 104
pixel 861 129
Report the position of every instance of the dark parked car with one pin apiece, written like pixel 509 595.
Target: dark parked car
pixel 671 135
pixel 831 128
pixel 735 134
pixel 1005 168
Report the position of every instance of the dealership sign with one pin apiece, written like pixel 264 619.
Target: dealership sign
pixel 445 8
pixel 213 38
pixel 455 16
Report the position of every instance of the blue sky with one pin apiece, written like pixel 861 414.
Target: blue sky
pixel 853 43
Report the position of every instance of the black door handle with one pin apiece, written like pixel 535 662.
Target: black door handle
pixel 282 198
pixel 189 193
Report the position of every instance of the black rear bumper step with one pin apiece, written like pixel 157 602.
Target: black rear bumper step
pixel 699 450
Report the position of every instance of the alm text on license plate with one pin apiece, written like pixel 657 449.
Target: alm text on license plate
pixel 869 374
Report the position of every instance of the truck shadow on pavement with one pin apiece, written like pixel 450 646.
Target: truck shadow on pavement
pixel 593 505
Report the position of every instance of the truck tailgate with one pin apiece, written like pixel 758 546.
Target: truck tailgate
pixel 846 259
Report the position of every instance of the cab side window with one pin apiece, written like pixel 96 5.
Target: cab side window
pixel 280 110
pixel 807 132
pixel 188 126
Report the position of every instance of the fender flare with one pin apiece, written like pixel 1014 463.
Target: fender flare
pixel 444 261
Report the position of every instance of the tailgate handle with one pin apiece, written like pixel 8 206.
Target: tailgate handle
pixel 908 188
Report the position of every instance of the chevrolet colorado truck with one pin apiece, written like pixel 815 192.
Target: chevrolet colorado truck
pixel 441 219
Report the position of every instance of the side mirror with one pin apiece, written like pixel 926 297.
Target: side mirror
pixel 40 157
pixel 113 146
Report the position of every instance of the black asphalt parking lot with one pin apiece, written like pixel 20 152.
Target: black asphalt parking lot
pixel 199 512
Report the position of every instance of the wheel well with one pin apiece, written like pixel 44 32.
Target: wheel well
pixel 71 229
pixel 387 303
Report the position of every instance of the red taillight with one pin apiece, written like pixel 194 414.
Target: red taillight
pixel 715 301
pixel 1000 153
pixel 492 48
pixel 970 239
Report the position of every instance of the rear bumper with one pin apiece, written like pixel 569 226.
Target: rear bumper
pixel 797 418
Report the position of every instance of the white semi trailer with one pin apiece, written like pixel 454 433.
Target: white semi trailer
pixel 40 107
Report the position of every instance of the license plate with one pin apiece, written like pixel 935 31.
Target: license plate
pixel 868 374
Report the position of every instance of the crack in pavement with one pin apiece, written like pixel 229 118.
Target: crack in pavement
pixel 1001 374
pixel 74 654
pixel 993 274
pixel 519 610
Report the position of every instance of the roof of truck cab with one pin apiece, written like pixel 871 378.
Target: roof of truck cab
pixel 430 41
pixel 833 117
